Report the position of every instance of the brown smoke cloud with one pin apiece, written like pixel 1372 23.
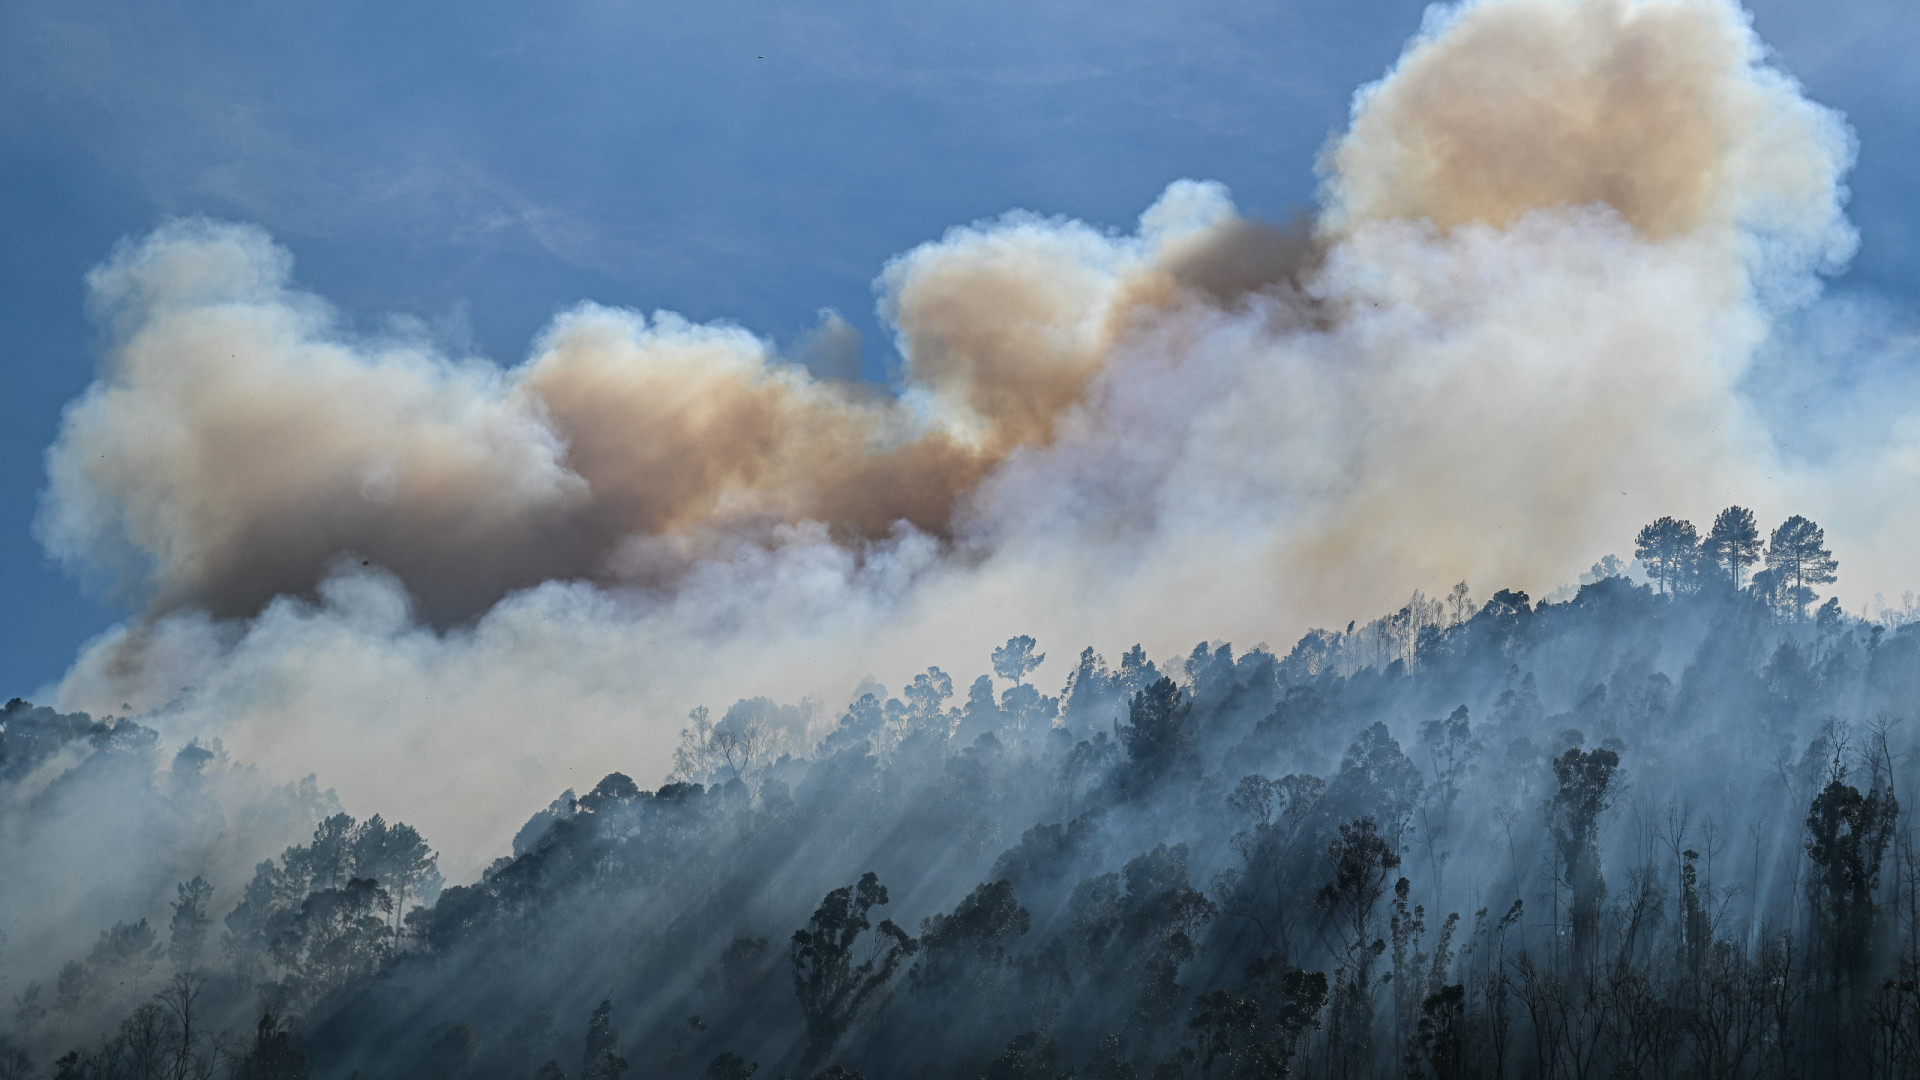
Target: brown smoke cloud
pixel 1657 109
pixel 239 444
pixel 1552 238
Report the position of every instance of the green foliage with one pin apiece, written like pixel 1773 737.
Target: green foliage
pixel 272 1055
pixel 832 988
pixel 1156 737
pixel 1848 835
pixel 602 1060
pixel 1734 543
pixel 1586 790
pixel 1015 660
pixel 187 933
pixel 1798 559
pixel 1030 1055
pixel 1670 550
pixel 965 946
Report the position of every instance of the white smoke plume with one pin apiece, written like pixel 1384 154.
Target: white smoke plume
pixel 1552 239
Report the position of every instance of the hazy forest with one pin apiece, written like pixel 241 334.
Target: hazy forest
pixel 1649 826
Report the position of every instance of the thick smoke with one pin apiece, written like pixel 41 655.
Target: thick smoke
pixel 1660 111
pixel 241 444
pixel 1552 239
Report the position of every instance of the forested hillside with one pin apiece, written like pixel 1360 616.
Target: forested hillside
pixel 1635 830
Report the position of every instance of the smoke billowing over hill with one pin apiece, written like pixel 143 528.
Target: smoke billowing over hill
pixel 1550 244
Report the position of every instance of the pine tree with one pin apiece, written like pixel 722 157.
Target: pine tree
pixel 187 934
pixel 1734 542
pixel 1796 553
pixel 1670 550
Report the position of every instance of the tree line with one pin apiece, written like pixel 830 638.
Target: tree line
pixel 1678 559
pixel 1649 831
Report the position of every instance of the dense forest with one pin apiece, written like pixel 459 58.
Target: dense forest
pixel 1649 826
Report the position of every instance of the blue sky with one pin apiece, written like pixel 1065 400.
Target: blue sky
pixel 478 167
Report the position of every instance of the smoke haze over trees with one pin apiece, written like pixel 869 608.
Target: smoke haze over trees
pixel 1645 832
pixel 419 762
